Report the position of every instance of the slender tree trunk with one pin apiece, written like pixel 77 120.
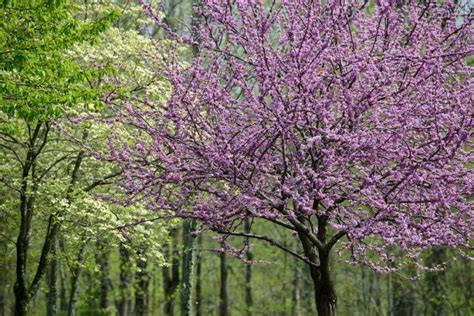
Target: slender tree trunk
pixel 375 292
pixel 76 273
pixel 364 292
pixel 248 285
pixel 224 295
pixel 171 275
pixel 389 296
pixel 4 274
pixel 23 292
pixel 186 294
pixel 29 185
pixel 435 281
pixel 467 285
pixel 51 306
pixel 38 137
pixel 198 299
pixel 102 259
pixel 248 273
pixel 124 305
pixel 143 280
pixel 22 296
pixel 63 300
pixel 188 262
pixel 296 295
pixel 403 300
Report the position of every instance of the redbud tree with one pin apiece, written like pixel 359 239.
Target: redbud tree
pixel 347 124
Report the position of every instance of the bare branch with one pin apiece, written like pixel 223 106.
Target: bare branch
pixel 271 242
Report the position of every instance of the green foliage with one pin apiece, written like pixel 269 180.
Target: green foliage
pixel 37 80
pixel 57 61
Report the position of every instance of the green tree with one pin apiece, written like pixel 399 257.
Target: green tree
pixel 38 82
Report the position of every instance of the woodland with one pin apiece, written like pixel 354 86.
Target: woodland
pixel 236 157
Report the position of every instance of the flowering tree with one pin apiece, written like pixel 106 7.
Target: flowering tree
pixel 346 124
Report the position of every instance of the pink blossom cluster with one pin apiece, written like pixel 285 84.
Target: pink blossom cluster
pixel 351 118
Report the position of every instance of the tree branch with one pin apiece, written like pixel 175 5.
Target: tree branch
pixel 335 238
pixel 101 181
pixel 270 241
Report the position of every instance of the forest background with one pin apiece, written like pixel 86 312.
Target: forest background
pixel 78 253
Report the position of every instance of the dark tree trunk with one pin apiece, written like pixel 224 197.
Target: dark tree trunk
pixel 171 275
pixel 248 284
pixel 364 293
pixel 307 292
pixel 102 259
pixel 29 185
pixel 435 281
pixel 4 277
pixel 325 295
pixel 63 300
pixel 389 295
pixel 199 279
pixel 143 279
pixel 224 295
pixel 248 273
pixel 51 306
pixel 124 305
pixel 22 296
pixel 403 299
pixel 21 301
pixel 24 293
pixel 188 262
pixel 76 273
pixel 375 292
pixel 38 137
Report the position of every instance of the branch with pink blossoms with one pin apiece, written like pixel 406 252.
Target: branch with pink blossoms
pixel 346 123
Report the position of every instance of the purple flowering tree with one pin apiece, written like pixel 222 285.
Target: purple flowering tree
pixel 349 125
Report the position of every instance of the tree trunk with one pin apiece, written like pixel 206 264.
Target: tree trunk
pixel 188 263
pixel 142 279
pixel 76 273
pixel 375 292
pixel 435 284
pixel 403 299
pixel 325 296
pixel 307 292
pixel 198 299
pixel 248 285
pixel 324 293
pixel 296 295
pixel 4 276
pixel 22 296
pixel 124 305
pixel 389 295
pixel 29 186
pixel 63 300
pixel 51 307
pixel 364 293
pixel 102 259
pixel 224 295
pixel 248 273
pixel 21 301
pixel 171 275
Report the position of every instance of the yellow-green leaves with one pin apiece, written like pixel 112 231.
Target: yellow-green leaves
pixel 38 81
